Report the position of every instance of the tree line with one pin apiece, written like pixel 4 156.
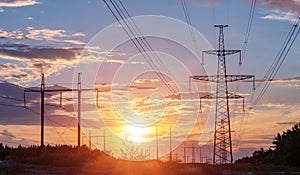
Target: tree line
pixel 285 150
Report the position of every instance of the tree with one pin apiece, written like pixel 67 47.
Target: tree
pixel 287 146
pixel 285 150
pixel 131 151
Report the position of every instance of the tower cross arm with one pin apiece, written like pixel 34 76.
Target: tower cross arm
pixel 230 96
pixel 229 78
pixel 221 52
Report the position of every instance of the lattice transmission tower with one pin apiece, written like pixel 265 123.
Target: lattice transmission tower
pixel 222 136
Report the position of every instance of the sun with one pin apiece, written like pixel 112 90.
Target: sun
pixel 137 134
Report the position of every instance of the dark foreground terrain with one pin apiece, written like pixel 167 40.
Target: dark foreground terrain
pixel 118 167
pixel 282 158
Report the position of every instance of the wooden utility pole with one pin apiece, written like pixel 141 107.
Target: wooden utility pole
pixel 156 143
pixel 43 90
pixel 42 109
pixel 78 109
pixel 170 144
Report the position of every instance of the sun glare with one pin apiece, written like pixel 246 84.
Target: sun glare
pixel 137 134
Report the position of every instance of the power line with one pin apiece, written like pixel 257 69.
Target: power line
pixel 136 37
pixel 6 82
pixel 280 57
pixel 13 136
pixel 188 20
pixel 249 26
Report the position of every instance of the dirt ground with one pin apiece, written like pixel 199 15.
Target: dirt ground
pixel 121 168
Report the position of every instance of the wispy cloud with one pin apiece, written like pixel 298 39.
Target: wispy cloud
pixel 54 35
pixel 17 3
pixel 291 5
pixel 9 137
pixel 279 15
pixel 290 123
pixel 16 34
pixel 12 71
pixel 142 81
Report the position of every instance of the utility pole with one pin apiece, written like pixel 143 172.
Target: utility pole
pixel 98 136
pixel 90 138
pixel 104 139
pixel 78 109
pixel 43 90
pixel 200 155
pixel 193 153
pixel 184 154
pixel 156 143
pixel 170 144
pixel 42 109
pixel 222 136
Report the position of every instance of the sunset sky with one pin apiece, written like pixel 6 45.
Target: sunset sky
pixel 62 38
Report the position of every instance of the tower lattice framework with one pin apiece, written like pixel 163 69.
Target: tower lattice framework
pixel 222 136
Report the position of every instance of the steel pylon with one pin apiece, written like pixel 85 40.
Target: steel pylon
pixel 222 135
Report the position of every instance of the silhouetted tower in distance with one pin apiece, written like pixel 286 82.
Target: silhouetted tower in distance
pixel 222 136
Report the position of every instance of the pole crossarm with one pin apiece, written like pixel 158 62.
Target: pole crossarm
pixel 59 90
pixel 229 78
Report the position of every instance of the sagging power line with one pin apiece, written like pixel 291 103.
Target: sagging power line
pixel 279 59
pixel 123 17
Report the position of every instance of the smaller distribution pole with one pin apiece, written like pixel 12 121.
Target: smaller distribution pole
pixel 184 155
pixel 156 143
pixel 43 90
pixel 104 140
pixel 170 144
pixel 200 155
pixel 90 138
pixel 42 109
pixel 193 153
pixel 78 108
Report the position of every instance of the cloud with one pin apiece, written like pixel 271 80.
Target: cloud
pixel 132 88
pixel 286 123
pixel 282 80
pixel 76 42
pixel 56 35
pixel 53 35
pixel 142 81
pixel 41 34
pixel 11 139
pixel 291 5
pixel 115 61
pixel 9 70
pixel 287 80
pixel 29 62
pixel 78 34
pixel 16 34
pixel 17 3
pixel 280 16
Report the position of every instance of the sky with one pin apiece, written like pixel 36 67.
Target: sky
pixel 141 96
